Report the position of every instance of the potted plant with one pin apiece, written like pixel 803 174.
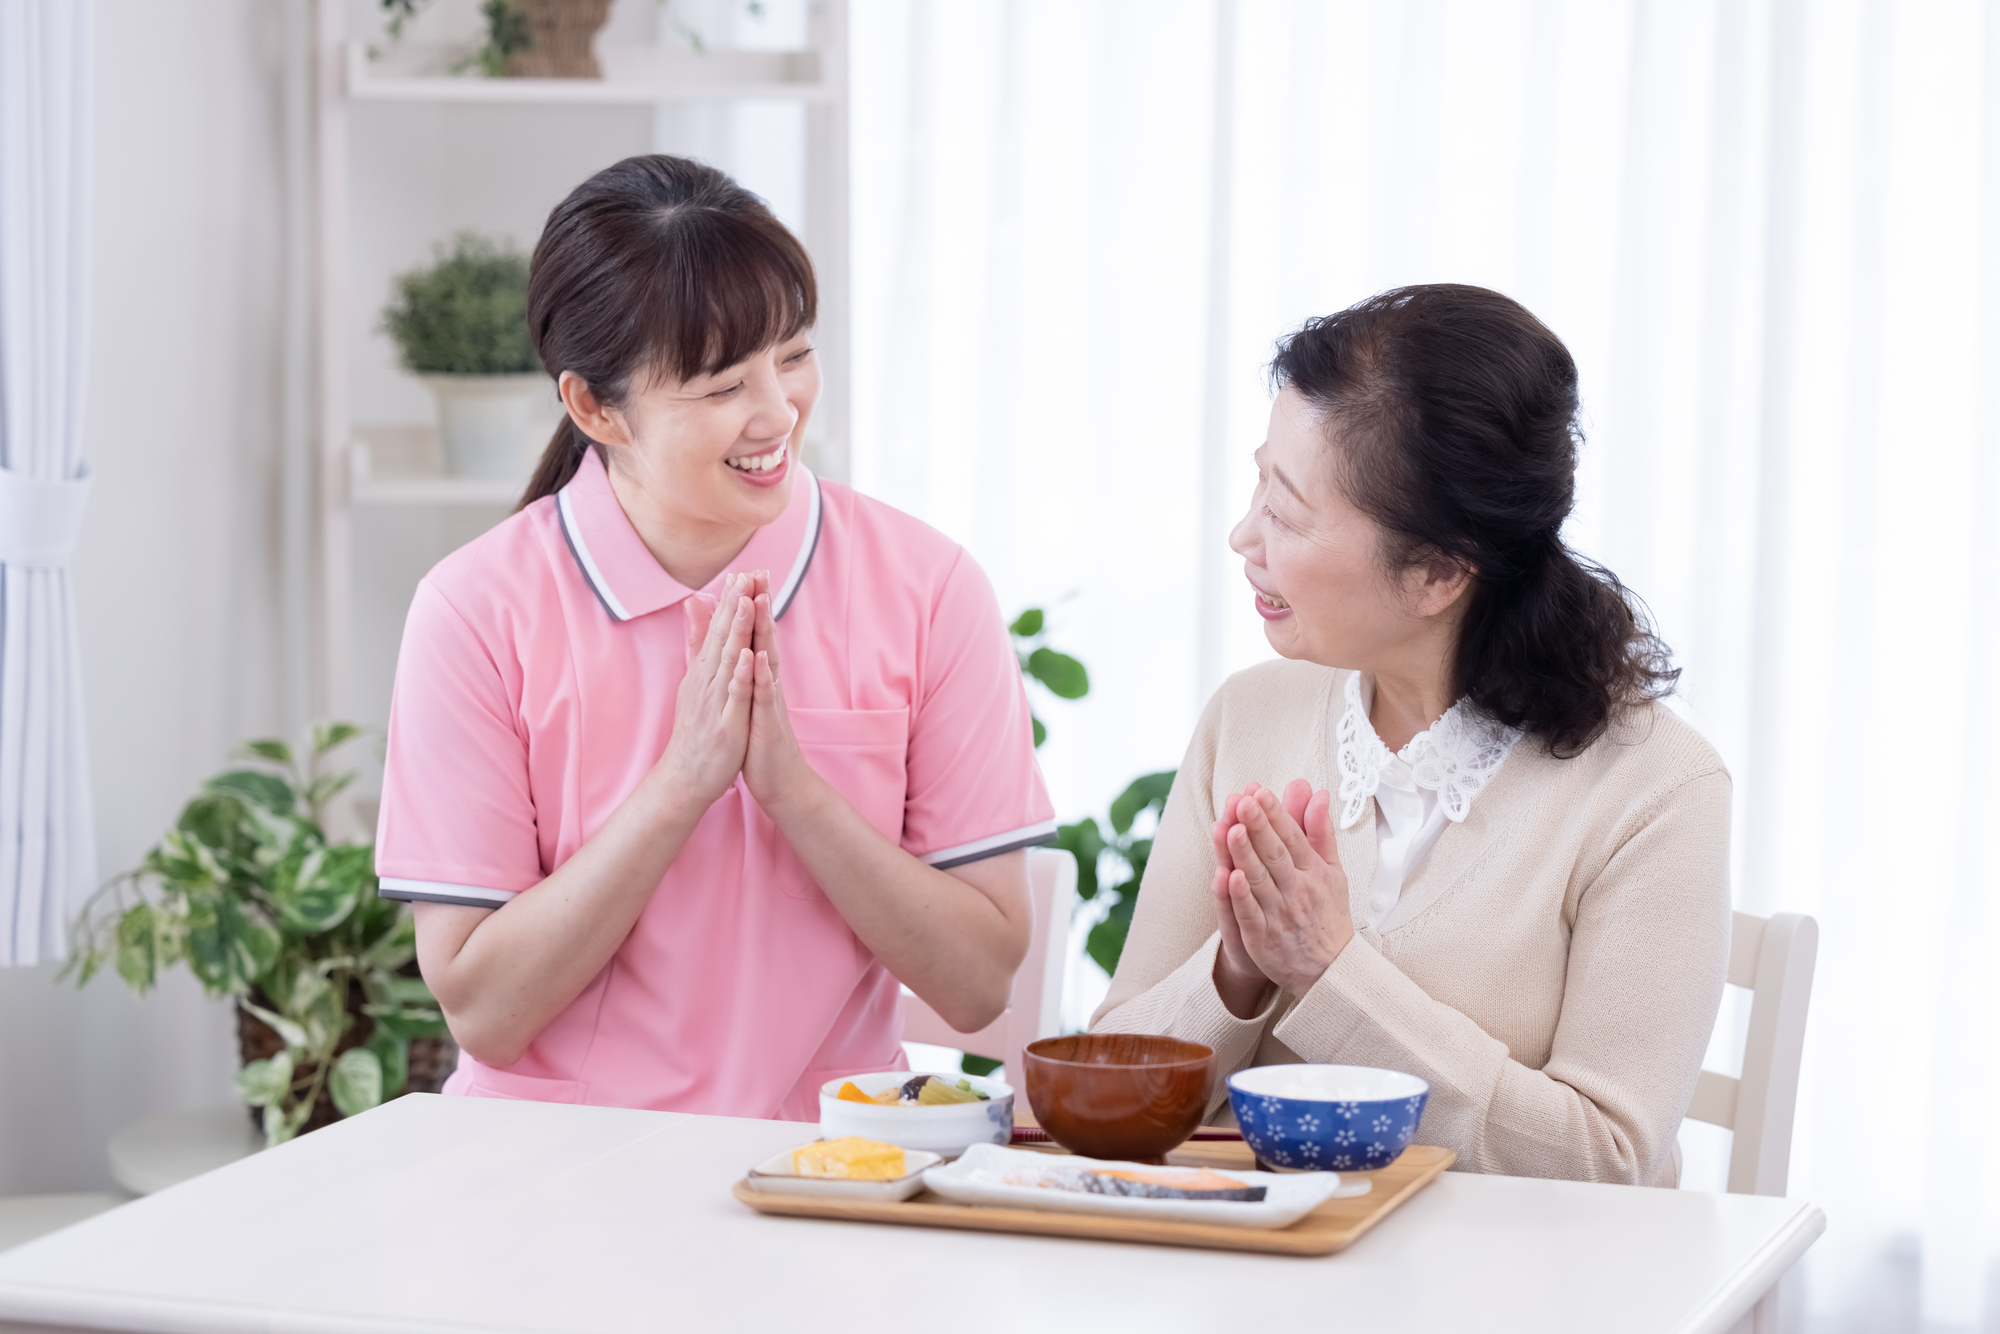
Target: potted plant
pixel 530 39
pixel 247 891
pixel 461 327
pixel 559 36
pixel 540 39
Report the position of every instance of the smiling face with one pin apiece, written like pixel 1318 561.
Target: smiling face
pixel 1316 562
pixel 717 451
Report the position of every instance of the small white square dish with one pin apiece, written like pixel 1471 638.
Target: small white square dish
pixel 774 1176
pixel 995 1177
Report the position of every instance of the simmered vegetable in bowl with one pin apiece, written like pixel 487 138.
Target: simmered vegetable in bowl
pixel 918 1091
pixel 941 1112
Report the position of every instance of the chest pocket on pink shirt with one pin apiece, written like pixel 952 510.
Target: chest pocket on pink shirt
pixel 861 752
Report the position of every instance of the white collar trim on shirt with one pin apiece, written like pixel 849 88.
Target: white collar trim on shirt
pixel 790 588
pixel 572 529
pixel 573 534
pixel 1455 756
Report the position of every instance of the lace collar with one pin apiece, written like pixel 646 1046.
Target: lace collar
pixel 1454 757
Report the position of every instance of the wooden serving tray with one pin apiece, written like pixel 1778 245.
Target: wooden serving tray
pixel 1332 1227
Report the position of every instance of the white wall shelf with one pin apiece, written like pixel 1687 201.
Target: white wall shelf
pixel 403 465
pixel 633 76
pixel 447 491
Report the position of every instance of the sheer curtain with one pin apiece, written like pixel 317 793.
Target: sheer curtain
pixel 47 853
pixel 1769 230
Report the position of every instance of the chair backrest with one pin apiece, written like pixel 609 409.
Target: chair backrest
pixel 1034 1007
pixel 1773 959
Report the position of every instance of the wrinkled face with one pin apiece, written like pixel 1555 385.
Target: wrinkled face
pixel 1313 559
pixel 720 450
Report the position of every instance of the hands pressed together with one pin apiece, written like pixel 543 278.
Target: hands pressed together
pixel 1281 897
pixel 1280 894
pixel 730 715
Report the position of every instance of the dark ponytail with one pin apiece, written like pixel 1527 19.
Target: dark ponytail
pixel 658 265
pixel 558 464
pixel 1452 412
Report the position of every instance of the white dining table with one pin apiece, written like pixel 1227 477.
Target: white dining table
pixel 435 1214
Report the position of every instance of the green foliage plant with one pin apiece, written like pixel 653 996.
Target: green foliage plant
pixel 247 891
pixel 1058 673
pixel 467 314
pixel 1114 866
pixel 506 33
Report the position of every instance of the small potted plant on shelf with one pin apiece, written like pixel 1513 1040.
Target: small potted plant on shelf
pixel 248 892
pixel 540 39
pixel 558 34
pixel 525 39
pixel 461 326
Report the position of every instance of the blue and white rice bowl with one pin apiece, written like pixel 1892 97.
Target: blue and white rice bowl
pixel 1318 1118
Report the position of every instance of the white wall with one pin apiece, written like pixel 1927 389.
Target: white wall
pixel 176 573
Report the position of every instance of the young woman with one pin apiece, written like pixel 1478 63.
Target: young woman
pixel 696 756
pixel 1453 833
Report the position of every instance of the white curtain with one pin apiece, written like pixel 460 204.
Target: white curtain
pixel 1770 232
pixel 47 855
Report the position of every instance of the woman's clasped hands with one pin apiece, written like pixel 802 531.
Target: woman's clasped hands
pixel 1280 894
pixel 730 716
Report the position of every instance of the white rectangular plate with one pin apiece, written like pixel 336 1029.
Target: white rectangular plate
pixel 774 1176
pixel 981 1177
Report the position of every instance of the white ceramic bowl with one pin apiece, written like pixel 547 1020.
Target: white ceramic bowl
pixel 949 1129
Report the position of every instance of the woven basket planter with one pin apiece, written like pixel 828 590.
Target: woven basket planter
pixel 559 36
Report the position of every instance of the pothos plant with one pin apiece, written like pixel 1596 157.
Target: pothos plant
pixel 248 892
pixel 1058 673
pixel 1110 865
pixel 1114 865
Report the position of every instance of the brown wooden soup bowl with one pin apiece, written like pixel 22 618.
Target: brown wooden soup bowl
pixel 1117 1095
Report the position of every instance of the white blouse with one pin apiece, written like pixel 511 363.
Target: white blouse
pixel 1431 780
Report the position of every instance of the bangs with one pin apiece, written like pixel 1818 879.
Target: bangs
pixel 723 287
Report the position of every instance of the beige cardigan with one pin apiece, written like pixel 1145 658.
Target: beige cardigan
pixel 1553 968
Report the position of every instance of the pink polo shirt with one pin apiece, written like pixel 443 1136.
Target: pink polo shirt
pixel 536 687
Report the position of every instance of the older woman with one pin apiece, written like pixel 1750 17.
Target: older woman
pixel 1453 832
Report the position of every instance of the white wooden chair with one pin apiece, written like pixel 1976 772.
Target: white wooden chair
pixel 1034 1007
pixel 1773 959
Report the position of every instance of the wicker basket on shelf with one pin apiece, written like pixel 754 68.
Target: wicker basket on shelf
pixel 560 33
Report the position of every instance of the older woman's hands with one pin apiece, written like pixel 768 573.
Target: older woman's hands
pixel 1281 896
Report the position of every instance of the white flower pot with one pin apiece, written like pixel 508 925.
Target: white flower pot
pixel 493 425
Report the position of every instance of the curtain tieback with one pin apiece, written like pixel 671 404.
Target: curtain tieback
pixel 40 519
